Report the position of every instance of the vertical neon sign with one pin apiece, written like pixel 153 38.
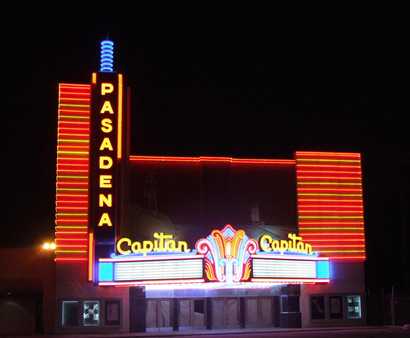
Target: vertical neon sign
pixel 105 156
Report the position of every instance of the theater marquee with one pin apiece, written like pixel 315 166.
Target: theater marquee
pixel 226 257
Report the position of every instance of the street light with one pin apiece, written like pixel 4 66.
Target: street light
pixel 48 246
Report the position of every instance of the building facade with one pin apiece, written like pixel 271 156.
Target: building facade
pixel 163 243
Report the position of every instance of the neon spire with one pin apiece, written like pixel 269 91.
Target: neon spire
pixel 107 56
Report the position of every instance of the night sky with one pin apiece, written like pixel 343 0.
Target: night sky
pixel 241 91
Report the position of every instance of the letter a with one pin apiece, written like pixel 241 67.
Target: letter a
pixel 107 108
pixel 106 144
pixel 105 220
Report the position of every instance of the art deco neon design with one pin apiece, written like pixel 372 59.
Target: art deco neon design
pixel 227 258
pixel 107 56
pixel 151 269
pixel 330 203
pixel 73 133
pixel 227 255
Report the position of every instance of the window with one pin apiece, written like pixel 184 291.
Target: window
pixel 317 307
pixel 112 312
pixel 199 306
pixel 70 313
pixel 335 307
pixel 290 304
pixel 354 309
pixel 91 312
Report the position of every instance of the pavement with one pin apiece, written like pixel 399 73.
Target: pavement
pixel 337 332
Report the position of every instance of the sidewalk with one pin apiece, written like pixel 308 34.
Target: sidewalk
pixel 241 332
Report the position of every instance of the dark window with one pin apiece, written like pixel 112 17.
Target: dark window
pixel 290 303
pixel 91 313
pixel 112 312
pixel 335 307
pixel 317 307
pixel 70 313
pixel 199 306
pixel 354 308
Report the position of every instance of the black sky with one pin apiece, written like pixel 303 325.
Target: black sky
pixel 246 89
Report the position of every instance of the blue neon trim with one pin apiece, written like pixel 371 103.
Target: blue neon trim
pixel 105 272
pixel 107 56
pixel 322 269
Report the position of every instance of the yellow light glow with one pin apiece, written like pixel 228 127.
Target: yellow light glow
pixel 162 243
pixel 90 254
pixel 107 108
pixel 105 220
pixel 294 244
pixel 119 132
pixel 48 246
pixel 106 88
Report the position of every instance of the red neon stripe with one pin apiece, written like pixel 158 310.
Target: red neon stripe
pixel 74 200
pixel 72 183
pixel 70 236
pixel 328 166
pixel 355 173
pixel 336 202
pixel 71 240
pixel 65 208
pixel 72 147
pixel 61 220
pixel 74 132
pixel 325 153
pixel 71 171
pixel 66 112
pixel 71 203
pixel 65 232
pixel 74 166
pixel 70 128
pixel 339 246
pixel 69 124
pixel 349 257
pixel 78 136
pixel 341 222
pixel 73 161
pixel 134 158
pixel 330 207
pixel 342 234
pixel 322 190
pixel 339 179
pixel 332 240
pixel 74 98
pixel 70 259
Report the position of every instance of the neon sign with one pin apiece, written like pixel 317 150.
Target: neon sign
pixel 105 162
pixel 225 258
pixel 105 158
pixel 227 255
pixel 162 243
pixel 294 244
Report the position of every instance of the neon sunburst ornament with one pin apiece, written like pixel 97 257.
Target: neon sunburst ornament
pixel 227 255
